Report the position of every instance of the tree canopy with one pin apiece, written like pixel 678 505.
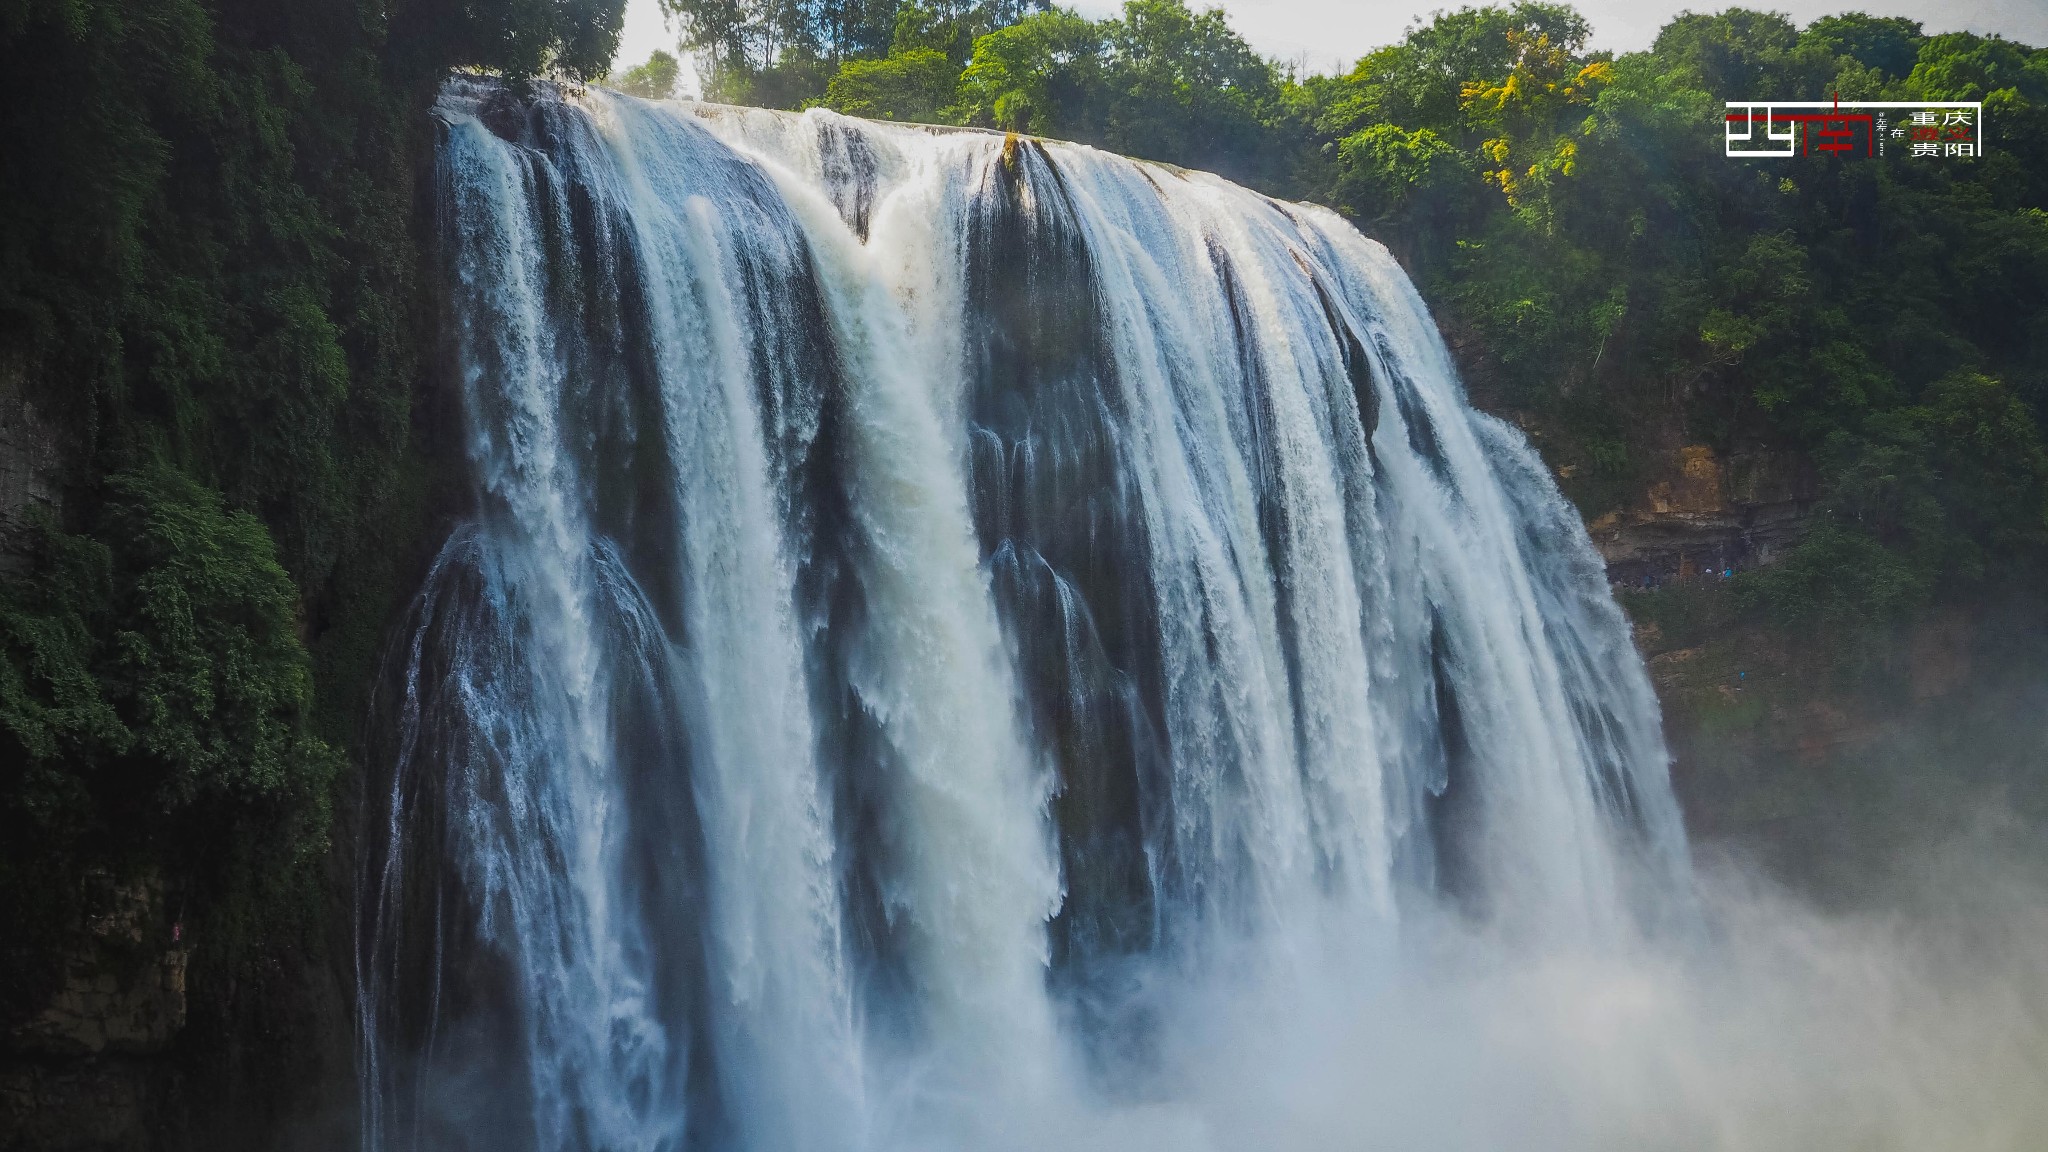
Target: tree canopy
pixel 653 80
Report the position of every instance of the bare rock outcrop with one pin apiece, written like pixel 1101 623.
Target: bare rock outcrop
pixel 1705 513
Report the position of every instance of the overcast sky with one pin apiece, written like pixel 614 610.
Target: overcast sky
pixel 1328 35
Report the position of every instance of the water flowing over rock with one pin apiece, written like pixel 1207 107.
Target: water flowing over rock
pixel 925 588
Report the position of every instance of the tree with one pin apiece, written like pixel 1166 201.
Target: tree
pixel 916 85
pixel 520 37
pixel 952 28
pixel 1042 74
pixel 654 80
pixel 783 53
pixel 1184 87
pixel 1889 44
pixel 1160 82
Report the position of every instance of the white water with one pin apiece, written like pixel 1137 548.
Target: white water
pixel 938 614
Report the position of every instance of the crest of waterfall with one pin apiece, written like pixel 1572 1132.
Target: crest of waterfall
pixel 918 582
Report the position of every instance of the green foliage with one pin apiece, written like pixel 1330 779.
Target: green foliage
pixel 654 80
pixel 208 291
pixel 914 85
pixel 1043 74
pixel 1186 89
pixel 54 720
pixel 784 53
pixel 522 38
pixel 155 706
pixel 1387 172
pixel 952 29
pixel 1420 82
pixel 51 706
pixel 1838 578
pixel 1629 288
pixel 1956 483
pixel 1756 54
pixel 1161 82
pixel 1889 44
pixel 1965 66
pixel 205 656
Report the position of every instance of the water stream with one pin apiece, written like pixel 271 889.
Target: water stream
pixel 931 600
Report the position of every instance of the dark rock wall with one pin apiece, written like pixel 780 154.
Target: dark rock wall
pixel 84 1072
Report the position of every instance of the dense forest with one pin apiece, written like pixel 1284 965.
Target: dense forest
pixel 217 348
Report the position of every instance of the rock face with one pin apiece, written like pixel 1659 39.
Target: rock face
pixel 119 993
pixel 1707 514
pixel 79 1074
pixel 30 459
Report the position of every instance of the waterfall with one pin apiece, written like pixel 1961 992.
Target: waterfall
pixel 924 592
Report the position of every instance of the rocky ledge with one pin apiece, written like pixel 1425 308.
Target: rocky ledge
pixel 1707 515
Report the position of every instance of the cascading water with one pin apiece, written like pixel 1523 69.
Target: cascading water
pixel 925 591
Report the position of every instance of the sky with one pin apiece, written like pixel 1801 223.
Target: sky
pixel 1328 35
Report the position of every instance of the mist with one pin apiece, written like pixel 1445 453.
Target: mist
pixel 1916 1020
